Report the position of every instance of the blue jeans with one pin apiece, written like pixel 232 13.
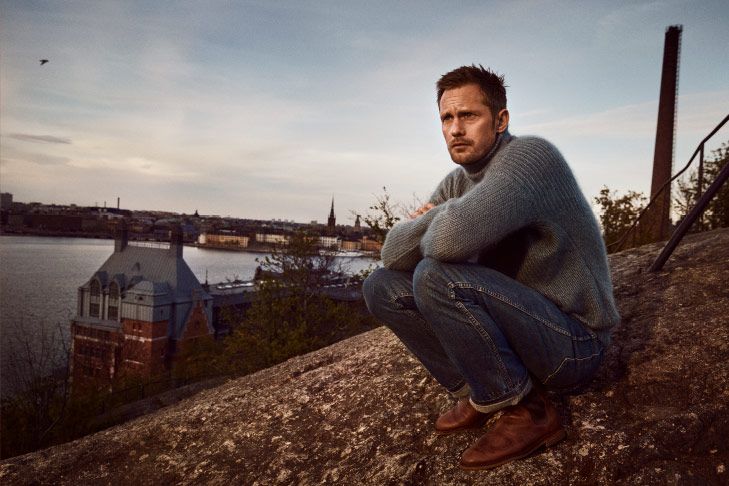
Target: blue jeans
pixel 482 334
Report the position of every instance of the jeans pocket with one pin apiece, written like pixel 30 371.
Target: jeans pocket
pixel 573 372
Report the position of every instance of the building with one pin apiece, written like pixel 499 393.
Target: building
pixel 371 245
pixel 140 309
pixel 273 238
pixel 224 240
pixel 6 200
pixel 329 242
pixel 351 245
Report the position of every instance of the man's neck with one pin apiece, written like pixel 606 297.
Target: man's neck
pixel 476 167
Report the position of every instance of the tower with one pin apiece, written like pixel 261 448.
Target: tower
pixel 658 217
pixel 332 220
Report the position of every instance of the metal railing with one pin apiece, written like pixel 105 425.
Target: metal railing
pixel 696 211
pixel 700 206
pixel 690 218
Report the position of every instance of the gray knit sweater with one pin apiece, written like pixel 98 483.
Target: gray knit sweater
pixel 524 215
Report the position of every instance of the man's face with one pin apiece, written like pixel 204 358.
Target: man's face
pixel 468 126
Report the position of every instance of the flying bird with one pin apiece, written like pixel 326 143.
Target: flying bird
pixel 43 61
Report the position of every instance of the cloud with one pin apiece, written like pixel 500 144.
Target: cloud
pixel 26 137
pixel 266 110
pixel 626 121
pixel 44 159
pixel 697 112
pixel 158 171
pixel 21 157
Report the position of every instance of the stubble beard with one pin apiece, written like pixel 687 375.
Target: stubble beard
pixel 469 156
pixel 465 157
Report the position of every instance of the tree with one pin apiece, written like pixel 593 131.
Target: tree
pixel 36 387
pixel 381 216
pixel 716 214
pixel 406 209
pixel 37 407
pixel 617 216
pixel 292 313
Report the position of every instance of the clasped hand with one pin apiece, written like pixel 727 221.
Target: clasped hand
pixel 421 211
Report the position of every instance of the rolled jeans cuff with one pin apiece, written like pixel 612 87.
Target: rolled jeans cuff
pixel 462 392
pixel 513 400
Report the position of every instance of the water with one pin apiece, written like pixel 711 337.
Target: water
pixel 40 276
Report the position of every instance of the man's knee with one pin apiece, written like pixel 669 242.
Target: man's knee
pixel 429 280
pixel 377 289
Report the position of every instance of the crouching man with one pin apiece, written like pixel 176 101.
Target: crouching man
pixel 499 285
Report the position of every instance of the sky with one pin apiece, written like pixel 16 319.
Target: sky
pixel 268 109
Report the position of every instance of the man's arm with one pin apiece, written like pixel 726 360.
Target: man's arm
pixel 401 250
pixel 526 178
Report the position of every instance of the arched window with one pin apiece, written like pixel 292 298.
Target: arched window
pixel 95 300
pixel 113 313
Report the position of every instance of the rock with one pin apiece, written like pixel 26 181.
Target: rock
pixel 362 410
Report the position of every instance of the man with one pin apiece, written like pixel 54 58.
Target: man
pixel 499 285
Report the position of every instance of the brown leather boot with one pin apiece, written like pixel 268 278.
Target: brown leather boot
pixel 461 417
pixel 522 429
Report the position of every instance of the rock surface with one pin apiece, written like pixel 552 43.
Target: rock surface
pixel 362 410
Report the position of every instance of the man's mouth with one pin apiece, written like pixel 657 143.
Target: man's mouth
pixel 459 144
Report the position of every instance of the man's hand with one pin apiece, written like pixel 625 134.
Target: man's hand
pixel 421 211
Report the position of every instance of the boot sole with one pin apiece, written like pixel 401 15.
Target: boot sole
pixel 549 441
pixel 478 425
pixel 459 429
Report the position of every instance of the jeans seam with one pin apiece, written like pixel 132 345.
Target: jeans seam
pixel 565 360
pixel 554 327
pixel 474 323
pixel 393 301
pixel 399 295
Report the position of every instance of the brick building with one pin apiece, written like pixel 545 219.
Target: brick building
pixel 370 244
pixel 224 240
pixel 136 312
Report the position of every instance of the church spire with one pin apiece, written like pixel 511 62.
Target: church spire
pixel 332 220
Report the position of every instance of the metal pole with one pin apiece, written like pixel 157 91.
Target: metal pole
pixel 700 184
pixel 701 172
pixel 690 218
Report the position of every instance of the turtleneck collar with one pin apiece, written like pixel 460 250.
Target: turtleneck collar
pixel 473 169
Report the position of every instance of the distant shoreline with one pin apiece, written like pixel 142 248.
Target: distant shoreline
pixel 58 234
pixel 249 249
pixel 258 248
pixel 268 249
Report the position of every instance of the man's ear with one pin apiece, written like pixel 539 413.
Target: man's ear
pixel 502 120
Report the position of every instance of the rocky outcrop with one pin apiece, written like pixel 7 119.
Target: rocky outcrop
pixel 362 410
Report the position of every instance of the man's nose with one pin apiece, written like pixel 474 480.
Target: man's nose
pixel 457 128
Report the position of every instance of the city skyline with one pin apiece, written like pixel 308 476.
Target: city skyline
pixel 264 111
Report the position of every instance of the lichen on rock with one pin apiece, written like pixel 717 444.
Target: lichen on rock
pixel 362 410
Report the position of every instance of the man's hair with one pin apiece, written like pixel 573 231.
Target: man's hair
pixel 491 84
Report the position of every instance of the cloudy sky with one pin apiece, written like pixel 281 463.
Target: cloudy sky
pixel 267 109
